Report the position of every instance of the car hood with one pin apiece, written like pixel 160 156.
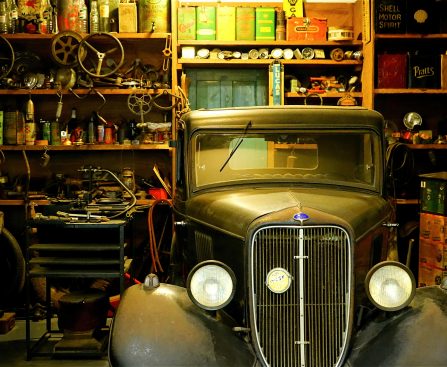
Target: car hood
pixel 233 211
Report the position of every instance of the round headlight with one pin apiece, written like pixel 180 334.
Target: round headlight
pixel 211 285
pixel 390 285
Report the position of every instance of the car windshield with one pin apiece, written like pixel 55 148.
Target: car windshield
pixel 337 157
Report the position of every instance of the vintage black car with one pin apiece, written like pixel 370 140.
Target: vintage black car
pixel 283 251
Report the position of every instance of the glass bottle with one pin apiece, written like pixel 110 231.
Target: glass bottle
pixel 13 17
pixel 83 17
pixel 91 133
pixel 3 17
pixel 94 17
pixel 47 19
pixel 104 12
pixel 74 129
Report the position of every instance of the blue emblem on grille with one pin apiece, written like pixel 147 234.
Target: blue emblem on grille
pixel 301 217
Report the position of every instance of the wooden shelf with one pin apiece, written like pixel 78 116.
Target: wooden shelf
pixel 87 147
pixel 18 202
pixel 84 91
pixel 411 36
pixel 427 146
pixel 260 62
pixel 121 36
pixel 406 201
pixel 409 91
pixel 324 95
pixel 254 44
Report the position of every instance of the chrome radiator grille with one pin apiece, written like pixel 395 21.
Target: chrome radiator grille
pixel 306 325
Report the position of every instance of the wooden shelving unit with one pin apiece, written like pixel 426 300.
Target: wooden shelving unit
pixel 86 147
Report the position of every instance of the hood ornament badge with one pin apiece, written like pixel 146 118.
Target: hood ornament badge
pixel 300 216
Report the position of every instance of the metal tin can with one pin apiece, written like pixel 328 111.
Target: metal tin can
pixel 154 16
pixel 46 130
pixel 55 138
pixel 100 129
pixel 10 128
pixel 30 133
pixel 67 15
pixel 108 135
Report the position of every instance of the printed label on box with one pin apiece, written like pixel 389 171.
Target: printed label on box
pixel 245 23
pixel 186 23
pixel 206 23
pixel 226 23
pixel 390 16
pixel 309 29
pixel 392 70
pixel 265 23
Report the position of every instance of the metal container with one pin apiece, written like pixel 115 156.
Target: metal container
pixel 67 15
pixel 154 15
pixel 14 128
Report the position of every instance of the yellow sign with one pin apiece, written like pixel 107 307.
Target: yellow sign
pixel 293 8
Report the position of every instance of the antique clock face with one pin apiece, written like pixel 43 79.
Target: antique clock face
pixel 308 53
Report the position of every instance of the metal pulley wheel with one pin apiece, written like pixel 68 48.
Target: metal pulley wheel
pixel 139 104
pixel 7 57
pixel 317 97
pixel 104 54
pixel 64 48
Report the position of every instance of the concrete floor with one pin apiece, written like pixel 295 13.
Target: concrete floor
pixel 13 350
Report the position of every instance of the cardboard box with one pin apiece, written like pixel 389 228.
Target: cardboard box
pixel 308 29
pixel 7 322
pixel 429 275
pixel 390 16
pixel 432 227
pixel 226 23
pixel 339 15
pixel 424 71
pixel 206 23
pixel 392 70
pixel 186 23
pixel 265 23
pixel 245 23
pixel 127 17
pixel 433 253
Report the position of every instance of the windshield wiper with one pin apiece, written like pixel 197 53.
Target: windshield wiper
pixel 241 139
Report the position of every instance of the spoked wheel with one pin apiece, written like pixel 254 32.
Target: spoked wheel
pixel 64 48
pixel 100 54
pixel 139 104
pixel 7 57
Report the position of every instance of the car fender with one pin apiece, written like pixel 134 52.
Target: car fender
pixel 413 337
pixel 162 327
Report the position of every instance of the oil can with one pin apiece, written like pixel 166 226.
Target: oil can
pixel 153 16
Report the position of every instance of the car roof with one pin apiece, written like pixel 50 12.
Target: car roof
pixel 284 117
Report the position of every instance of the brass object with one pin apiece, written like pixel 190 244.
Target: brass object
pixel 337 54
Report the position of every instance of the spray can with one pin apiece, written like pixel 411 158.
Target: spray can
pixel 55 138
pixel 100 130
